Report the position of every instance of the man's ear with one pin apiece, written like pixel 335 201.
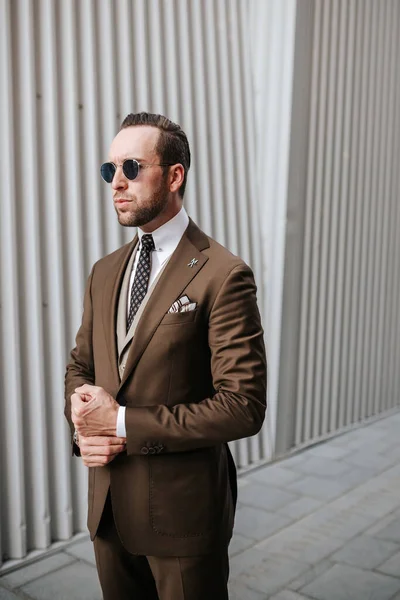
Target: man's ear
pixel 175 177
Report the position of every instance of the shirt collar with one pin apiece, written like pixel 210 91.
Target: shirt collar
pixel 167 237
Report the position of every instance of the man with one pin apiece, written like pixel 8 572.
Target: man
pixel 169 366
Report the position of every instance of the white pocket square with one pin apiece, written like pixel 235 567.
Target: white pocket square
pixel 182 305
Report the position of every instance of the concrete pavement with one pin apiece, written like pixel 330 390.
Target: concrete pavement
pixel 323 524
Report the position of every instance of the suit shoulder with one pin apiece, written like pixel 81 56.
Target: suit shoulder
pixel 223 273
pixel 223 259
pixel 220 259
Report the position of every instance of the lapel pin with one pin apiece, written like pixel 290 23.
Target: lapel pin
pixel 193 262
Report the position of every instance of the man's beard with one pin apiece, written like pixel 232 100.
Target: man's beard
pixel 141 215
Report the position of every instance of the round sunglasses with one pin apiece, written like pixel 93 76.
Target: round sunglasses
pixel 130 168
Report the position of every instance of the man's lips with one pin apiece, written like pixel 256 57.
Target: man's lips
pixel 122 201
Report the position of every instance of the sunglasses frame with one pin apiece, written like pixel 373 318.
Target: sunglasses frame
pixel 140 165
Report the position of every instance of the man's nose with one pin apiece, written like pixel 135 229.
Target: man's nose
pixel 119 181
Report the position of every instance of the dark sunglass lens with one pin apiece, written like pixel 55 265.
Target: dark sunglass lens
pixel 130 168
pixel 107 172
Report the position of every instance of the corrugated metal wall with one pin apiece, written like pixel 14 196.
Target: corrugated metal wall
pixel 70 71
pixel 272 37
pixel 340 351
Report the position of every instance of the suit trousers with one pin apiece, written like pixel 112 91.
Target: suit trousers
pixel 124 576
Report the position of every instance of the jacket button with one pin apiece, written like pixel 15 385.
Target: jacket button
pixel 144 450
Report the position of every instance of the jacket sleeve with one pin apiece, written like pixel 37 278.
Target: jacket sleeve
pixel 80 368
pixel 238 366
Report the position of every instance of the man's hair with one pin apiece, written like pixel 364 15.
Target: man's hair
pixel 172 145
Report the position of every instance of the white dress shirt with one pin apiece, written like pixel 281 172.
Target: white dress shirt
pixel 166 239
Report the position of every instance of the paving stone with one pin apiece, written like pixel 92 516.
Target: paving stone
pixel 393 451
pixel 350 440
pixel 83 550
pixel 328 450
pixel 243 481
pixel 342 440
pixel 317 536
pixel 266 498
pixel 294 461
pixel 276 475
pixel 391 566
pixel 343 524
pixel 359 437
pixel 390 477
pixel 379 446
pixel 388 439
pixel 312 486
pixel 238 591
pixel 381 524
pixel 391 532
pixel 301 544
pixel 394 417
pixel 300 507
pixel 8 595
pixel 324 467
pixel 375 504
pixel 78 580
pixel 239 543
pixel 243 562
pixel 271 573
pixel 342 582
pixel 365 552
pixel 312 573
pixel 288 595
pixel 356 475
pixel 37 569
pixel 368 435
pixel 369 459
pixel 258 524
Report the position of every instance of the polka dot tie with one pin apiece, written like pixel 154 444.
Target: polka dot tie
pixel 142 275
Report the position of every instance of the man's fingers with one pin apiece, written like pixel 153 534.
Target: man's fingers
pixel 101 446
pixel 78 406
pixel 76 401
pixel 97 460
pixel 87 389
pixel 102 440
pixel 101 450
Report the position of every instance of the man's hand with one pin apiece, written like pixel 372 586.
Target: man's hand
pixel 94 412
pixel 98 451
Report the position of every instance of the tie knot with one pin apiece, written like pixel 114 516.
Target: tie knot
pixel 148 242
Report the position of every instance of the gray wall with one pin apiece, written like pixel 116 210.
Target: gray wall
pixel 340 345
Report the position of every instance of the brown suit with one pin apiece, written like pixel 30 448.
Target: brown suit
pixel 193 381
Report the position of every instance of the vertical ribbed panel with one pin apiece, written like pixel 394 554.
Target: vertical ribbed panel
pixel 343 233
pixel 70 71
pixel 272 44
pixel 12 504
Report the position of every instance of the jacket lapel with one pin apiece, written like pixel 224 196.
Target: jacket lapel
pixel 110 302
pixel 175 278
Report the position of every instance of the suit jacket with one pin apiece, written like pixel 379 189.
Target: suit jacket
pixel 192 382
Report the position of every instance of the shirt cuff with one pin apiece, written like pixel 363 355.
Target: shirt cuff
pixel 121 429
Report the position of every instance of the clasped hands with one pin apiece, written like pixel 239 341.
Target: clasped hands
pixel 94 413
